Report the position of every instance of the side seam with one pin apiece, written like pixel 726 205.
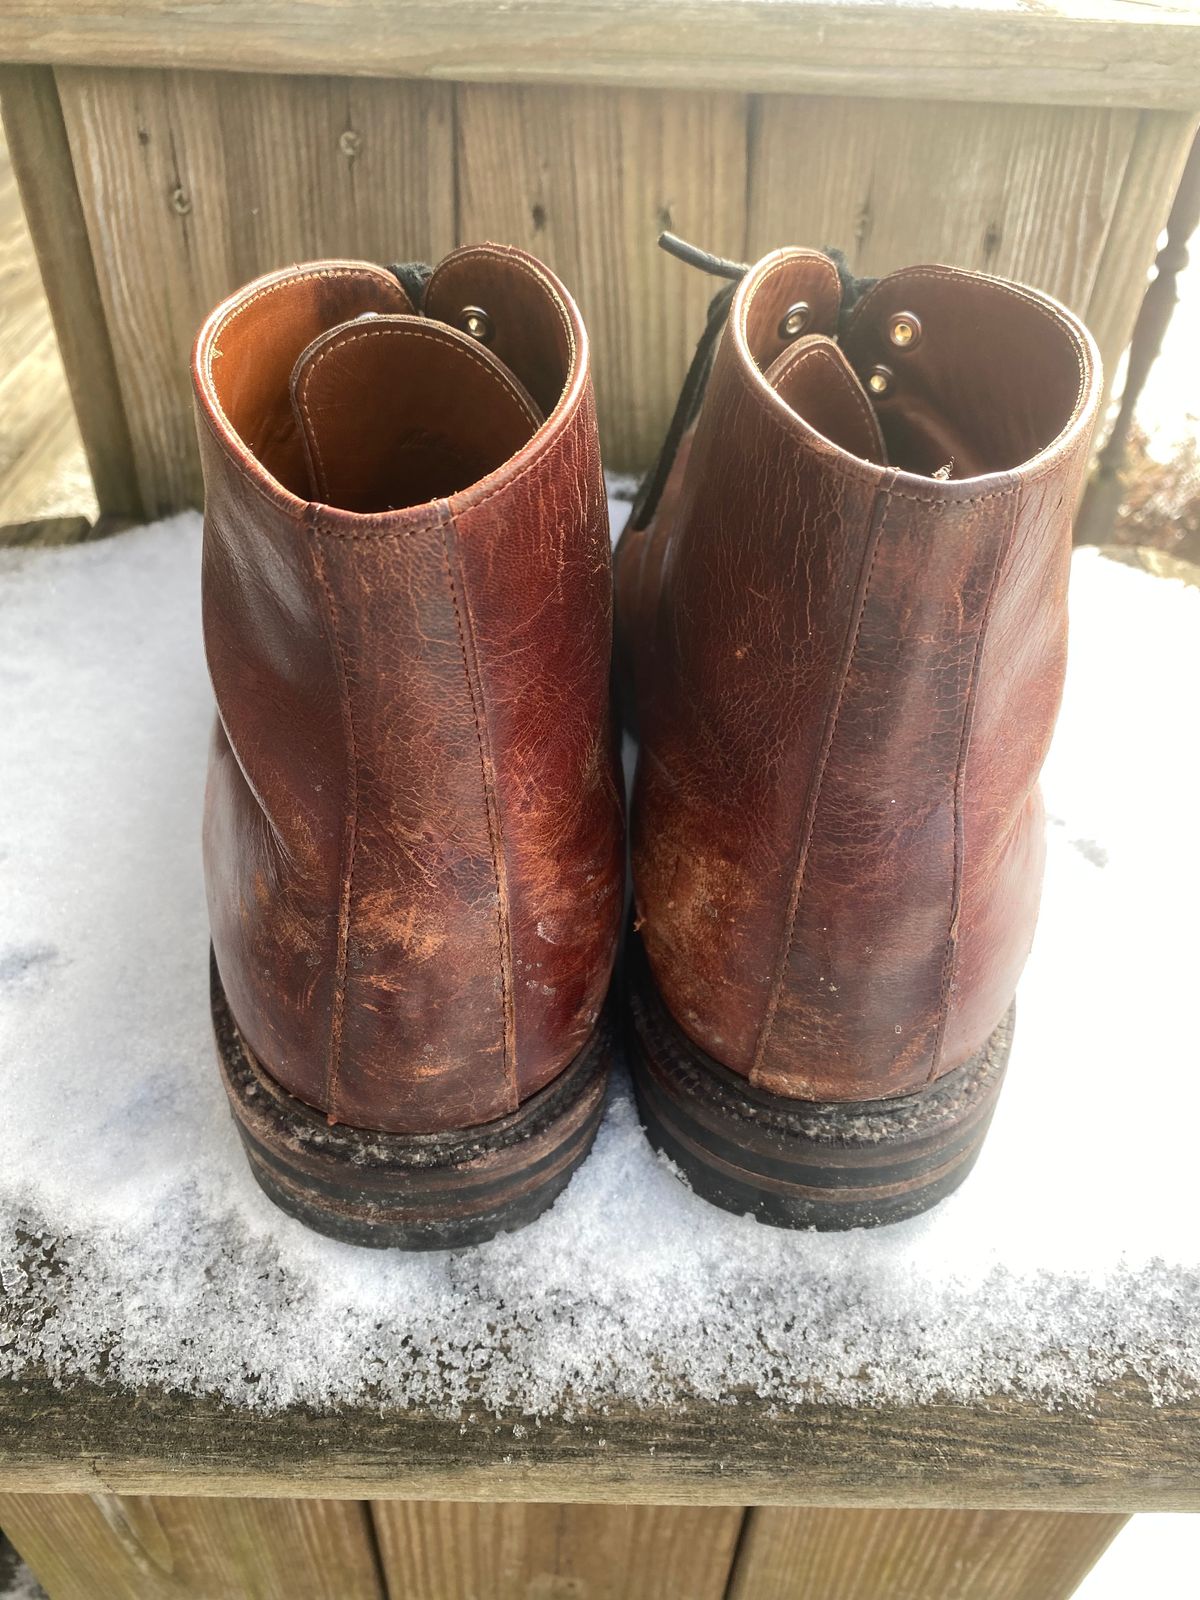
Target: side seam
pixel 350 833
pixel 487 765
pixel 950 957
pixel 812 799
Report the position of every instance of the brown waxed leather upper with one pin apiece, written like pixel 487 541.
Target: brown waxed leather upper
pixel 847 671
pixel 413 828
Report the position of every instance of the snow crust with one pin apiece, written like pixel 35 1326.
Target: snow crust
pixel 135 1245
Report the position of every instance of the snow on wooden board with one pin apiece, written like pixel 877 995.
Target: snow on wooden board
pixel 135 1246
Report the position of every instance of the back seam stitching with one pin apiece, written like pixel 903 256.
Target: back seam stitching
pixel 809 822
pixel 490 812
pixel 950 955
pixel 350 837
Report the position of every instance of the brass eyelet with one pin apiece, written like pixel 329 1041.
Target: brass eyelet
pixel 475 321
pixel 879 381
pixel 794 320
pixel 904 330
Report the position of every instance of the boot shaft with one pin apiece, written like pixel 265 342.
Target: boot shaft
pixel 413 832
pixel 853 603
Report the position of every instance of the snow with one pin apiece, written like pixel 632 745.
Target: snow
pixel 16 1580
pixel 133 1241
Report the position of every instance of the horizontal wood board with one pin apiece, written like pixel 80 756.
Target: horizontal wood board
pixel 1083 52
pixel 192 183
pixel 1124 1453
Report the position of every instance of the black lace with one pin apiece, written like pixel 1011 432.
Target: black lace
pixel 688 405
pixel 413 277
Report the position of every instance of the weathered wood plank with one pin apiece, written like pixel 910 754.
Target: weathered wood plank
pixel 37 143
pixel 1089 52
pixel 1028 192
pixel 193 183
pixel 158 1548
pixel 1157 154
pixel 1121 1453
pixel 918 1555
pixel 586 179
pixel 461 1551
pixel 45 531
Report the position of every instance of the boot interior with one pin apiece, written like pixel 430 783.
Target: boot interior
pixel 390 423
pixel 964 375
pixel 398 411
pixel 991 377
pixel 254 348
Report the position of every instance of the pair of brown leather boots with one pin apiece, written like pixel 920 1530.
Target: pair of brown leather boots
pixel 841 628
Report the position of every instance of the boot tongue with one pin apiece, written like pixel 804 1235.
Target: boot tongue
pixel 396 411
pixel 814 378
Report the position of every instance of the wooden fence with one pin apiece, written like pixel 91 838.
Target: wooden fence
pixel 155 1548
pixel 153 192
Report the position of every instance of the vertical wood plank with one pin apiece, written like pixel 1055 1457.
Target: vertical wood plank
pixel 801 1554
pixel 192 183
pixel 587 179
pixel 1027 192
pixel 41 157
pixel 43 469
pixel 1160 147
pixel 142 1547
pixel 449 1551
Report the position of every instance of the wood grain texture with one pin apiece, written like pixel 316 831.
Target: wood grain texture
pixel 462 1551
pixel 1089 52
pixel 917 1555
pixel 43 470
pixel 1069 199
pixel 36 411
pixel 1027 192
pixel 1123 1452
pixel 82 1547
pixel 586 179
pixel 1158 151
pixel 194 183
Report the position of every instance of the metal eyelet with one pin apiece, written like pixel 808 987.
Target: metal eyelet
pixel 475 321
pixel 879 381
pixel 904 330
pixel 794 320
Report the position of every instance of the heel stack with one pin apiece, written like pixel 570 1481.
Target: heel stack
pixel 412 1191
pixel 803 1163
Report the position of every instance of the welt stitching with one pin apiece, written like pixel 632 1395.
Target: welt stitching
pixel 350 839
pixel 950 955
pixel 336 345
pixel 501 877
pixel 813 802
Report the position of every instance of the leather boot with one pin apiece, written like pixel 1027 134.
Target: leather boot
pixel 842 614
pixel 413 835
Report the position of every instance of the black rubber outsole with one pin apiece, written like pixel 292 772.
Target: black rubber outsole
pixel 418 1191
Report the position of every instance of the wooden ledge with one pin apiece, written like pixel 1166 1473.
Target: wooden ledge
pixel 1124 1453
pixel 1083 52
